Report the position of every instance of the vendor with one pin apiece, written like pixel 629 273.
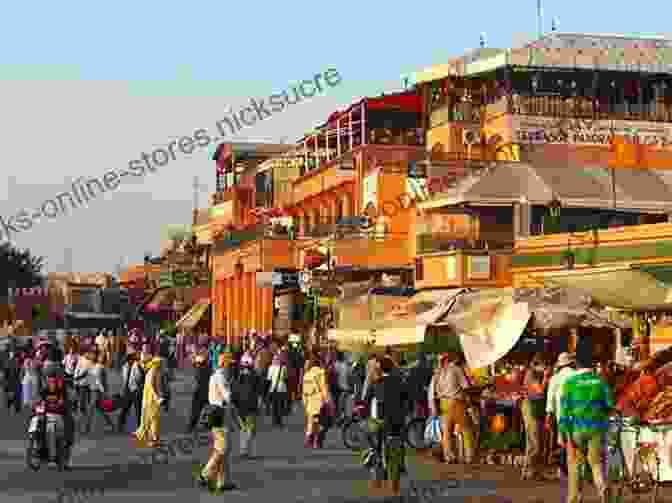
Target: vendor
pixel 564 369
pixel 533 418
pixel 447 388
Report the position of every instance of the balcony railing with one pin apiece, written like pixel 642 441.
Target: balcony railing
pixel 588 108
pixel 432 243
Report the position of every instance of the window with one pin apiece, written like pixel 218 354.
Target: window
pixel 479 267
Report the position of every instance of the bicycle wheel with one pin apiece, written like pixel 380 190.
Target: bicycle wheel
pixel 643 482
pixel 414 433
pixel 355 434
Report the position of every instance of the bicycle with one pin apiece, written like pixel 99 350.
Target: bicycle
pixel 643 482
pixel 355 429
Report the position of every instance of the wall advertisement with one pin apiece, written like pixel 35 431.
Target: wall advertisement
pixel 548 130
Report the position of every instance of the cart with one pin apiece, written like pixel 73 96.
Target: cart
pixel 640 477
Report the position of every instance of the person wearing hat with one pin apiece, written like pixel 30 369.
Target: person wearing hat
pixel 564 368
pixel 216 474
pixel 446 388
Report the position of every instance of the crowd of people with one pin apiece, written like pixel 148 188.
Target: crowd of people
pixel 233 387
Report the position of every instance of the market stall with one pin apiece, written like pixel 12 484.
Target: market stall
pixel 491 325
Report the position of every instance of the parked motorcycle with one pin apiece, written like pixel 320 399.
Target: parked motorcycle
pixel 46 439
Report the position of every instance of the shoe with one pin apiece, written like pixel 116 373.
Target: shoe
pixel 225 488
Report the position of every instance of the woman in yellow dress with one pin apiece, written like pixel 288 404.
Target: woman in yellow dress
pixel 315 394
pixel 149 432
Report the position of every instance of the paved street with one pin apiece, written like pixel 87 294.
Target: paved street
pixel 285 472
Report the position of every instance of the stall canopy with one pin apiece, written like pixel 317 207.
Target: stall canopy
pixel 489 323
pixel 625 287
pixel 390 320
pixel 193 316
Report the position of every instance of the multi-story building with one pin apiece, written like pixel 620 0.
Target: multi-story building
pixel 570 132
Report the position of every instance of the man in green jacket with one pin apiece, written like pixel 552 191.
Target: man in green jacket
pixel 585 403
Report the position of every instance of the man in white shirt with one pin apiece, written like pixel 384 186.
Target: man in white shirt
pixel 564 369
pixel 217 471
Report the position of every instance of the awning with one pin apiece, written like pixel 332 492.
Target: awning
pixel 391 320
pixel 620 287
pixel 193 316
pixel 489 323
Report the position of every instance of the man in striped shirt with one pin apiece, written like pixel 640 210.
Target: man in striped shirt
pixel 585 403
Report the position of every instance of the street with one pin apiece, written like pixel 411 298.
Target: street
pixel 109 467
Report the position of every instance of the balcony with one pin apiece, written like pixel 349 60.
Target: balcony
pixel 374 253
pixel 319 181
pixel 433 243
pixel 588 108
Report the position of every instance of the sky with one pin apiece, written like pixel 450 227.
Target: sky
pixel 85 87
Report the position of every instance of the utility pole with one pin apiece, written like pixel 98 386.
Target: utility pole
pixel 540 19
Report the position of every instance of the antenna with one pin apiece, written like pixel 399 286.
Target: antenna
pixel 483 40
pixel 540 19
pixel 554 24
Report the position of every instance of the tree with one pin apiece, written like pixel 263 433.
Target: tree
pixel 19 268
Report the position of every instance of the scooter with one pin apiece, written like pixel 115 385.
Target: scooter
pixel 46 439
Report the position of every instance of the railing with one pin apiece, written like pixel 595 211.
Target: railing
pixel 588 108
pixel 431 243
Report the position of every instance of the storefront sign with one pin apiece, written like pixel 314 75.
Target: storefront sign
pixel 588 132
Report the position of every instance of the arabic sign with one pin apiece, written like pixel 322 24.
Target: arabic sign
pixel 546 130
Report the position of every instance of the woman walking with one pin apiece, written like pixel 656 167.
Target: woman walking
pixel 148 434
pixel 315 396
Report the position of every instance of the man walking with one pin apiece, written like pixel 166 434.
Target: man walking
pixel 217 472
pixel 585 403
pixel 564 369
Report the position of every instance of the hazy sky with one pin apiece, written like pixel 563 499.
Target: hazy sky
pixel 87 86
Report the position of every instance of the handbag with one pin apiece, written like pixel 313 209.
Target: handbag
pixel 433 431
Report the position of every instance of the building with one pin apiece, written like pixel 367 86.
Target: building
pixel 568 133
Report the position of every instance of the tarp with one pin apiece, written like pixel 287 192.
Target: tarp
pixel 489 323
pixel 392 320
pixel 619 287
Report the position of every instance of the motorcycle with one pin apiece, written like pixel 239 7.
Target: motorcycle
pixel 46 439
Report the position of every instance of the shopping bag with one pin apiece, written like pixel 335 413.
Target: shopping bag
pixel 433 431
